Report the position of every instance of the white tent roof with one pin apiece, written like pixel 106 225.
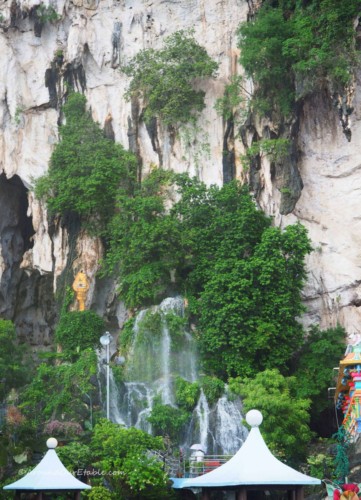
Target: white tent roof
pixel 253 464
pixel 49 474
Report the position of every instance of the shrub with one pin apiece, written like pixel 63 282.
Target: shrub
pixel 186 393
pixel 167 420
pixel 79 330
pixel 213 388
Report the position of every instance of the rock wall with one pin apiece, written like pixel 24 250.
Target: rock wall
pixel 86 47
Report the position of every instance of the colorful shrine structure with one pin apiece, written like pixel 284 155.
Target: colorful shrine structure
pixel 348 390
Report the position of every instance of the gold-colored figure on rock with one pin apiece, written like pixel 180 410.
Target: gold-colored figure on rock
pixel 81 287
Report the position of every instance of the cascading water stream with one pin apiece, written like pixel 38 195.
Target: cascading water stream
pixel 160 352
pixel 202 411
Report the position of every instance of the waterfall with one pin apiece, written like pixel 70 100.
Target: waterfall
pixel 202 412
pixel 229 432
pixel 166 388
pixel 161 350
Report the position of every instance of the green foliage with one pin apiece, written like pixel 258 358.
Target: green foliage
pixel 285 416
pixel 320 465
pixel 274 149
pixel 47 14
pixel 213 388
pixel 322 42
pixel 123 457
pixel 143 242
pixel 126 335
pixel 186 393
pixel 242 277
pixel 167 420
pixel 79 330
pixel 310 42
pixel 261 43
pixel 232 98
pixel 66 386
pixel 342 462
pixel 87 170
pixel 75 455
pixel 99 493
pixel 13 372
pixel 320 344
pixel 252 277
pixel 164 78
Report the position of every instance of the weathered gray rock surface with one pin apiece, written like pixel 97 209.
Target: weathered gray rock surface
pixel 87 47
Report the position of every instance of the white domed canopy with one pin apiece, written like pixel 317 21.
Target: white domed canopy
pixel 252 465
pixel 49 474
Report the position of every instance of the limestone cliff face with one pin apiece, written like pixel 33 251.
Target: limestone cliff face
pixel 86 47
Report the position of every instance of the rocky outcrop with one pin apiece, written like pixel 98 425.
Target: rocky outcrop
pixel 85 45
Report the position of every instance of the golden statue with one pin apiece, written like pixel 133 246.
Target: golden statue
pixel 81 287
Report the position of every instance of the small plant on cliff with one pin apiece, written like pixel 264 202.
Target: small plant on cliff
pixel 47 14
pixel 87 170
pixel 165 78
pixel 274 149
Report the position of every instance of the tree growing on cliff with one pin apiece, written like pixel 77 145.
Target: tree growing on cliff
pixel 87 169
pixel 165 78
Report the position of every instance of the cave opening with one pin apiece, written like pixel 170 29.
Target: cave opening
pixel 14 207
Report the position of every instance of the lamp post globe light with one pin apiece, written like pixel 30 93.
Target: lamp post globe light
pixel 105 342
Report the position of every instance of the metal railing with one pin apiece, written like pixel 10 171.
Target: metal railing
pixel 209 463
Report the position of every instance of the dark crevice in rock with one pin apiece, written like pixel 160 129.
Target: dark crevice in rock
pixel 116 44
pixel 284 171
pixel 342 102
pixel 133 133
pixel 228 156
pixel 74 76
pixel 152 129
pixel 26 297
pixel 16 14
pixel 108 127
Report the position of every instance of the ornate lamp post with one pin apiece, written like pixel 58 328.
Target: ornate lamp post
pixel 105 342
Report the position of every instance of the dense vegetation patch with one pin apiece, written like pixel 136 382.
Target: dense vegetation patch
pixel 291 48
pixel 79 330
pixel 87 170
pixel 13 370
pixel 242 277
pixel 165 79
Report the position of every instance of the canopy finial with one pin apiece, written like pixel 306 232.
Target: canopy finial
pixel 254 418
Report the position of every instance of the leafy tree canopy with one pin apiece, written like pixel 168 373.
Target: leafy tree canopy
pixel 242 277
pixel 285 417
pixel 165 78
pixel 314 377
pixel 293 45
pixel 86 168
pixel 13 372
pixel 126 452
pixel 66 385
